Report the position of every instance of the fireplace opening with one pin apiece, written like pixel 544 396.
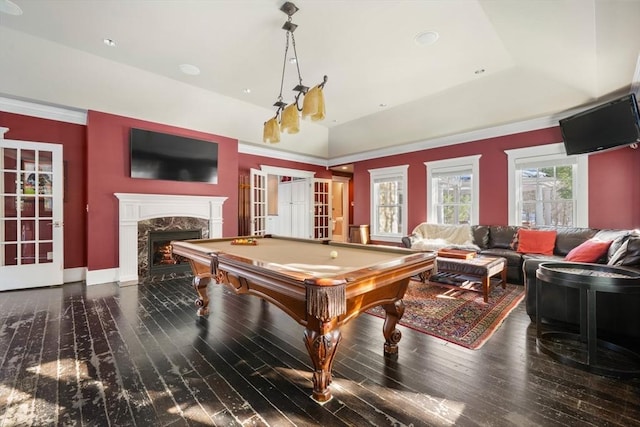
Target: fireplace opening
pixel 161 260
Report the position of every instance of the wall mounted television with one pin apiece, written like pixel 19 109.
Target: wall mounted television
pixel 607 126
pixel 156 155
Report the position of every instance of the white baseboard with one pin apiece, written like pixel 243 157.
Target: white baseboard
pixel 70 275
pixel 97 277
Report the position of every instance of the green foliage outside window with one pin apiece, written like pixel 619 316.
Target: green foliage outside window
pixel 389 206
pixel 548 196
pixel 454 199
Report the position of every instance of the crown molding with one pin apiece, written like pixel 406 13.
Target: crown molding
pixel 42 111
pixel 255 150
pixel 476 135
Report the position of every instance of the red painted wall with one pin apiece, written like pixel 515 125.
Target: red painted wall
pixel 614 189
pixel 108 173
pixel 73 139
pixel 613 180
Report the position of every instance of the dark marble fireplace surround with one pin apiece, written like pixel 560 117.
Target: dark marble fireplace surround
pixel 164 224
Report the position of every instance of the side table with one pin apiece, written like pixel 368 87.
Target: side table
pixel 584 350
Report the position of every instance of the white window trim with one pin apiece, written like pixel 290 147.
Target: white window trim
pixel 550 152
pixel 466 163
pixel 389 172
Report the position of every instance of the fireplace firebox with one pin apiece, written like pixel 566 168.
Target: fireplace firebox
pixel 161 260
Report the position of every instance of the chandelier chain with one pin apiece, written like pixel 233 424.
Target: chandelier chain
pixel 295 53
pixel 284 67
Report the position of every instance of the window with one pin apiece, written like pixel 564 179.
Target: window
pixel 388 203
pixel 547 187
pixel 452 190
pixel 547 195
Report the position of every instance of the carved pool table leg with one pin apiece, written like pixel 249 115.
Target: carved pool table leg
pixel 322 349
pixel 200 283
pixel 391 334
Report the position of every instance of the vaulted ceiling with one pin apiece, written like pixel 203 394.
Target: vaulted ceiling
pixel 495 62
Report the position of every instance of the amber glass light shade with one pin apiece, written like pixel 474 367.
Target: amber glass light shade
pixel 313 105
pixel 290 122
pixel 271 131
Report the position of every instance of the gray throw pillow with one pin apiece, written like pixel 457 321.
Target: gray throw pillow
pixel 616 237
pixel 617 257
pixel 628 254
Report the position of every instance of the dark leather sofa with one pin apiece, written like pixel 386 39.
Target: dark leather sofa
pixel 617 315
pixel 495 240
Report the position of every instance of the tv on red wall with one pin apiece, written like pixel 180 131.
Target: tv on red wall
pixel 156 155
pixel 607 126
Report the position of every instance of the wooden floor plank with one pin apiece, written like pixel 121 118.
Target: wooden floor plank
pixel 164 379
pixel 46 393
pixel 25 358
pixel 125 395
pixel 144 381
pixel 140 356
pixel 69 392
pixel 185 364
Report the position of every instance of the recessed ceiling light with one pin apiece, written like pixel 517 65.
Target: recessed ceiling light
pixel 426 38
pixel 479 71
pixel 10 8
pixel 189 69
pixel 382 105
pixel 246 90
pixel 109 42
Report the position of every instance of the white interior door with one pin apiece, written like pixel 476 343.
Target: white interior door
pixel 31 227
pixel 300 209
pixel 284 209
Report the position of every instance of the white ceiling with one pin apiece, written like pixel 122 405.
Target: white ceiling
pixel 541 58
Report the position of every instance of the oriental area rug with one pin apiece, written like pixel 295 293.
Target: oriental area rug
pixel 459 317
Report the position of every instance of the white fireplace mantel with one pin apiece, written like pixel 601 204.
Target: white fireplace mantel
pixel 138 207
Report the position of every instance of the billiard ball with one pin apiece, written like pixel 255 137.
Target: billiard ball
pixel 333 254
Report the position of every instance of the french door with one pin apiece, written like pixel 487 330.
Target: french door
pixel 303 203
pixel 258 202
pixel 31 228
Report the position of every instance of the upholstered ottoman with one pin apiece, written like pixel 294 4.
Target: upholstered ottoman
pixel 475 274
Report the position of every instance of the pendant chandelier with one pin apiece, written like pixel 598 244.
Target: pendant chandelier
pixel 287 117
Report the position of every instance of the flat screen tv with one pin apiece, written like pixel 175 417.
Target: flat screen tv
pixel 606 126
pixel 156 155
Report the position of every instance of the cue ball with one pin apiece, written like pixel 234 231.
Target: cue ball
pixel 333 254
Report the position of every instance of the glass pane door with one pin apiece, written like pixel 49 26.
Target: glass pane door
pixel 258 201
pixel 30 213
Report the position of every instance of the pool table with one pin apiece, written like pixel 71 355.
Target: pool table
pixel 319 289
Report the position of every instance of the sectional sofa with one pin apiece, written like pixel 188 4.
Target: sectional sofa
pixel 617 315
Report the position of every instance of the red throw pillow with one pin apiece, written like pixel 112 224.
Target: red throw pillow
pixel 536 241
pixel 589 251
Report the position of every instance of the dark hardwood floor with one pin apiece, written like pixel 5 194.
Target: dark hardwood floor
pixel 104 355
